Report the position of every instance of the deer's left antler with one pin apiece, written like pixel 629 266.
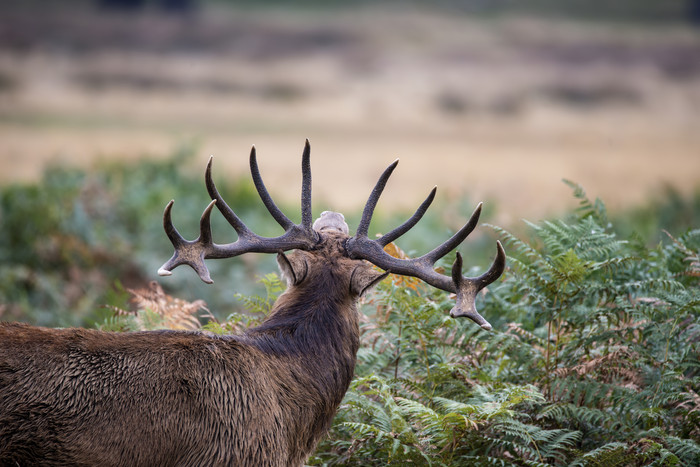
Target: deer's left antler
pixel 362 247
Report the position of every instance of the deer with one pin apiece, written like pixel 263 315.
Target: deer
pixel 264 397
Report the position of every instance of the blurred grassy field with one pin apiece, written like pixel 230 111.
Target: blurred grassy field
pixel 498 109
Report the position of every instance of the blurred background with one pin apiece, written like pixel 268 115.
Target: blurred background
pixel 110 108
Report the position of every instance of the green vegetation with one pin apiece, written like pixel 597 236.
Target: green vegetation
pixel 593 361
pixel 68 243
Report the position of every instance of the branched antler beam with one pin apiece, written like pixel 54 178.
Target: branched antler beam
pixel 362 247
pixel 194 252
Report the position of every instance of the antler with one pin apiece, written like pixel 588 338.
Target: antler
pixel 194 252
pixel 466 288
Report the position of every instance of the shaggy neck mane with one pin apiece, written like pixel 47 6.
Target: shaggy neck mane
pixel 313 330
pixel 317 318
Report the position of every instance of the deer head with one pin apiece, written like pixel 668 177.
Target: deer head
pixel 307 237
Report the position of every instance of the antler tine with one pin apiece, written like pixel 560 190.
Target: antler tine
pixel 170 230
pixel 205 224
pixel 224 209
pixel 278 215
pixel 306 214
pixel 367 213
pixel 496 269
pixel 457 238
pixel 457 269
pixel 408 225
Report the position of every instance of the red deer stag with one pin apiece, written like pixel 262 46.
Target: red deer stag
pixel 262 398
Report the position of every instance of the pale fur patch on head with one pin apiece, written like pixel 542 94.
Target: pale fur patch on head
pixel 330 220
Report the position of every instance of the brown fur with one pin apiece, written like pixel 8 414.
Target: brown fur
pixel 263 398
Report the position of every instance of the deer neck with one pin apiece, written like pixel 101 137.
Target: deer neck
pixel 316 338
pixel 315 322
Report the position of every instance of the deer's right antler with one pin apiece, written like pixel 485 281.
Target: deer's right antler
pixel 194 252
pixel 466 288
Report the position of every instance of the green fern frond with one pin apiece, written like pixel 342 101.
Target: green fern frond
pixel 522 248
pixel 687 450
pixel 500 443
pixel 592 361
pixel 609 455
pixel 595 209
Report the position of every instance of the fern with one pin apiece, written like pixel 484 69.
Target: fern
pixel 593 360
pixel 595 210
pixel 607 455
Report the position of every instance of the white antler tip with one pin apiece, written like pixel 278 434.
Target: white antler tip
pixel 164 272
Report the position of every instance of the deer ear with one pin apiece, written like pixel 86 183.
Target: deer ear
pixel 293 267
pixel 364 278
